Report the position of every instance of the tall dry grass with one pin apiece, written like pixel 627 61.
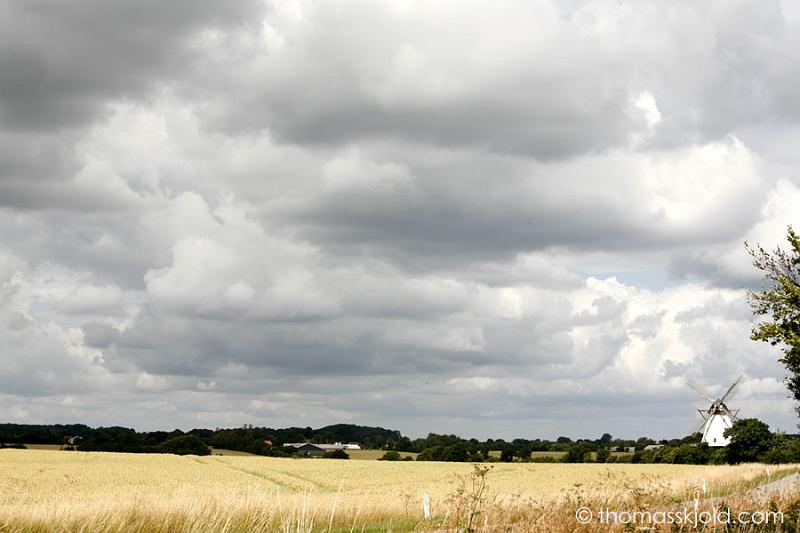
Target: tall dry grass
pixel 70 491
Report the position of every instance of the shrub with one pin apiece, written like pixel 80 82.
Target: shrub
pixel 390 456
pixel 335 454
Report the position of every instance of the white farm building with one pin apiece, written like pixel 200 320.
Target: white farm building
pixel 328 447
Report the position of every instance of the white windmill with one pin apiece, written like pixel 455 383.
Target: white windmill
pixel 717 418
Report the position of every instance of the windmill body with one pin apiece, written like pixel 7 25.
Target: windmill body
pixel 717 418
pixel 714 430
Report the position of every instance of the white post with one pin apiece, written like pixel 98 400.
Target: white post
pixel 426 506
pixel 704 487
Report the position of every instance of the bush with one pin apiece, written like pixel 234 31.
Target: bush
pixel 390 456
pixel 276 451
pixel 184 445
pixel 335 454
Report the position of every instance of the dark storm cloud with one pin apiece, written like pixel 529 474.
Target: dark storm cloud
pixel 99 335
pixel 486 81
pixel 327 87
pixel 62 62
pixel 32 156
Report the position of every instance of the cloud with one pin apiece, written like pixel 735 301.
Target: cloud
pixel 727 263
pixel 43 359
pixel 63 68
pixel 472 217
pixel 644 200
pixel 99 334
pixel 62 64
pixel 94 300
pixel 484 80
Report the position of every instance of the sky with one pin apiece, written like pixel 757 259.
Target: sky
pixel 495 219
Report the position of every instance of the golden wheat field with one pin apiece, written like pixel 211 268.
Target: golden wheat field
pixel 81 491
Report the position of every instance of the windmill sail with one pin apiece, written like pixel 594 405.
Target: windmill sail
pixel 730 389
pixel 699 391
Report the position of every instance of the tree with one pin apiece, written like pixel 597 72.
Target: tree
pixel 184 445
pixel 602 455
pixel 456 453
pixel 507 455
pixel 577 453
pixel 784 450
pixel 750 438
pixel 523 452
pixel 778 303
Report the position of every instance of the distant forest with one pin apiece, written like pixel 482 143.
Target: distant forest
pixel 752 441
pixel 255 440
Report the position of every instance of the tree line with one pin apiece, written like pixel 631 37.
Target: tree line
pixel 248 438
pixel 270 441
pixel 751 441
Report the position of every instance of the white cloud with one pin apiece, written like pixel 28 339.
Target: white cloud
pixel 90 299
pixel 645 103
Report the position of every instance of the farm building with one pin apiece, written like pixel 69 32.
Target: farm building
pixel 309 449
pixel 340 446
pixel 327 447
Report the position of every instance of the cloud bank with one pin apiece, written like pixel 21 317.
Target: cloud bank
pixel 490 218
